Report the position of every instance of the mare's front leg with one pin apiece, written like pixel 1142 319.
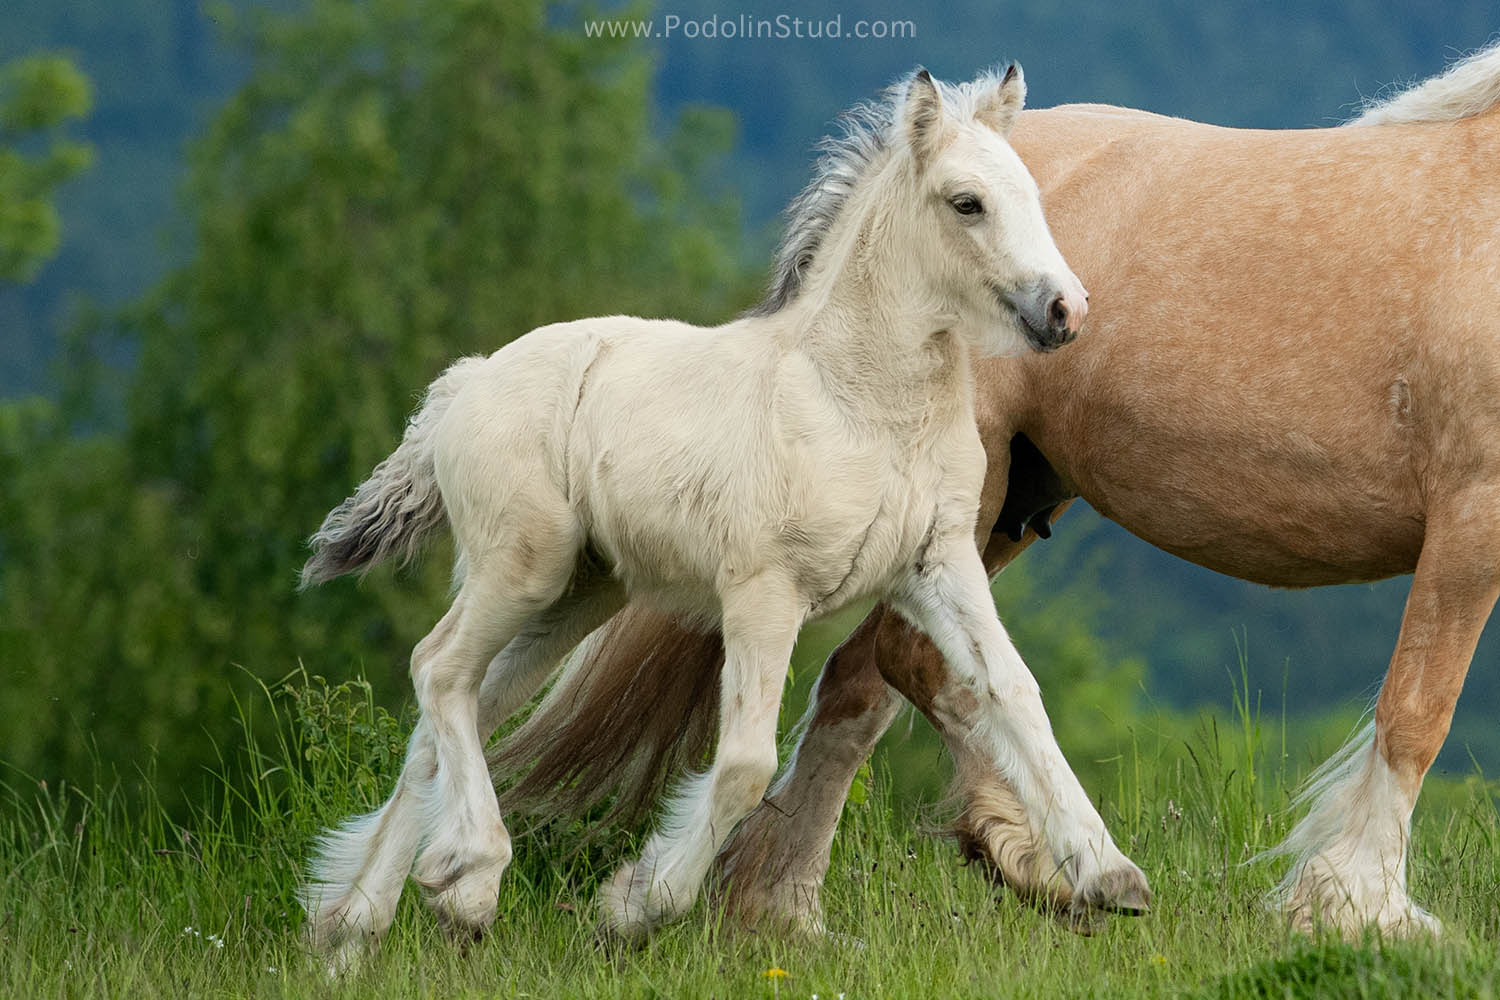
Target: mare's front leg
pixel 1350 850
pixel 988 694
pixel 760 622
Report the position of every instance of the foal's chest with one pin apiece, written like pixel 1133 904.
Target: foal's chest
pixel 922 487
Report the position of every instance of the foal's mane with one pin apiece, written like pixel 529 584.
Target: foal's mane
pixel 1467 88
pixel 866 131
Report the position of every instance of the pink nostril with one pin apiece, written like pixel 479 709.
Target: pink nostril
pixel 1058 314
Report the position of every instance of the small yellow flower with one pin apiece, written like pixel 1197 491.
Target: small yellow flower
pixel 1158 959
pixel 774 974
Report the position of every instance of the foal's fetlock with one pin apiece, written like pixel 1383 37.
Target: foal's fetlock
pixel 342 935
pixel 632 903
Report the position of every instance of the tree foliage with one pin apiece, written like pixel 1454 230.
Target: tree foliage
pixel 38 95
pixel 399 183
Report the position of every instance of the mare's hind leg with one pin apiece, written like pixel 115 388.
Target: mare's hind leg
pixel 1350 850
pixel 992 828
pixel 774 864
pixel 760 622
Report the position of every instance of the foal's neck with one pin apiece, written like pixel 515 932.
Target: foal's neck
pixel 889 349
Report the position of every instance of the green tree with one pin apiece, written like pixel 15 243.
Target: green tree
pixel 38 95
pixel 399 183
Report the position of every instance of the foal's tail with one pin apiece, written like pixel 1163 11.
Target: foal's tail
pixel 392 512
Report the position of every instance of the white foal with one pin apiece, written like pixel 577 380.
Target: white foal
pixel 750 475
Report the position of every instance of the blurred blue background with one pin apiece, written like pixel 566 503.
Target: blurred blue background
pixel 450 156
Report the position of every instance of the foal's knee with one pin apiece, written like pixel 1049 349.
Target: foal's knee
pixel 744 775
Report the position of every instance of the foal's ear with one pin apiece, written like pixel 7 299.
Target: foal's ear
pixel 923 115
pixel 1000 103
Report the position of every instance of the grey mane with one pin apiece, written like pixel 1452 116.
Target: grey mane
pixel 866 131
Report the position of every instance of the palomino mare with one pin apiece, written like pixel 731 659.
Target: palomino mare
pixel 768 470
pixel 1292 376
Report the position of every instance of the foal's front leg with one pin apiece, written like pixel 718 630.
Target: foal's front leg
pixel 988 692
pixel 760 622
pixel 772 868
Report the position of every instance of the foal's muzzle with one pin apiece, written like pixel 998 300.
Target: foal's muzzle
pixel 1052 312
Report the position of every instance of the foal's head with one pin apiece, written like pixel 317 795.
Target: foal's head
pixel 980 239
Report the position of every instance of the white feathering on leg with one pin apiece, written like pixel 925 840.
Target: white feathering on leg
pixel 1349 851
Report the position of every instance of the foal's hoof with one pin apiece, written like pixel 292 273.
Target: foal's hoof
pixel 462 893
pixel 344 926
pixel 1122 890
pixel 340 953
pixel 623 917
pixel 627 909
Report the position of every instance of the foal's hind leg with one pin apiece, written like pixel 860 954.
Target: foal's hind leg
pixel 760 622
pixel 505 587
pixel 1351 848
pixel 520 670
pixel 361 867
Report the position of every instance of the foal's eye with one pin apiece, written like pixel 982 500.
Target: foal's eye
pixel 966 204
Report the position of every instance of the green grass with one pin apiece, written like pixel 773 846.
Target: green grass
pixel 104 899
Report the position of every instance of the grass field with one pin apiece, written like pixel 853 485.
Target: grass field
pixel 103 900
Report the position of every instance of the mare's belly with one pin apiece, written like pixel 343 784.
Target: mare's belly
pixel 1282 509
